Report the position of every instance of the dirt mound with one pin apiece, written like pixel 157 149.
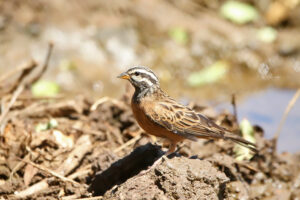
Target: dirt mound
pixel 98 149
pixel 176 178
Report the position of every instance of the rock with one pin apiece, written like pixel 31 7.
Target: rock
pixel 176 178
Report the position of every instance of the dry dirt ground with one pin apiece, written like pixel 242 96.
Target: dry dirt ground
pixel 75 147
pixel 72 148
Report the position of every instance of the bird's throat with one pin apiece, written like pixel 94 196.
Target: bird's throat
pixel 141 93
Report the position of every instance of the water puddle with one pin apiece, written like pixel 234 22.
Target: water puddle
pixel 266 108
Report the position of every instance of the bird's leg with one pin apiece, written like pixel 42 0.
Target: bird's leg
pixel 164 157
pixel 153 138
pixel 172 148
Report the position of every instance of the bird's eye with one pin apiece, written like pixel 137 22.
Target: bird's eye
pixel 137 73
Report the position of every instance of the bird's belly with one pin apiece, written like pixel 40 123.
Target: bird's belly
pixel 153 128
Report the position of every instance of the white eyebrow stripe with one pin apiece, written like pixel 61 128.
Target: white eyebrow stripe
pixel 147 81
pixel 146 72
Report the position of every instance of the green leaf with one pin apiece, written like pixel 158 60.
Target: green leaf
pixel 239 12
pixel 46 126
pixel 243 153
pixel 52 123
pixel 41 127
pixel 179 35
pixel 267 34
pixel 45 88
pixel 209 74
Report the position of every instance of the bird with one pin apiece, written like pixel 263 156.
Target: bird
pixel 162 116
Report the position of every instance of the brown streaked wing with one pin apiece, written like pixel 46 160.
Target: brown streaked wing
pixel 183 121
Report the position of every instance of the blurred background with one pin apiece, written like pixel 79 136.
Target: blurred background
pixel 202 50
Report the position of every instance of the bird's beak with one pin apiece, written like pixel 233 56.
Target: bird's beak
pixel 124 75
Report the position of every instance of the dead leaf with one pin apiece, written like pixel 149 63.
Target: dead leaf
pixel 29 173
pixel 63 140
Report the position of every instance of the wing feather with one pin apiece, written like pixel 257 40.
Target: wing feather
pixel 183 121
pixel 187 123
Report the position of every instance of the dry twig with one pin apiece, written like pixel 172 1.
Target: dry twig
pixel 15 96
pixel 86 169
pixel 286 112
pixel 45 65
pixel 24 67
pixel 17 167
pixel 21 84
pixel 105 99
pixel 42 185
pixel 233 102
pixel 83 146
pixel 277 133
pixel 53 173
pixel 129 142
pixel 23 75
pixel 91 198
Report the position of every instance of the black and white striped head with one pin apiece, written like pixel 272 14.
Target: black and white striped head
pixel 141 77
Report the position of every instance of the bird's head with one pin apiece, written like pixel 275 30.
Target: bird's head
pixel 141 78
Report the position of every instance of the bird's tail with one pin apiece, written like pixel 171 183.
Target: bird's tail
pixel 241 141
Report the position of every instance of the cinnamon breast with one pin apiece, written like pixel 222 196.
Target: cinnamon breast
pixel 149 125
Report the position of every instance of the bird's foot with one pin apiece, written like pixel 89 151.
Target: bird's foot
pixel 158 161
